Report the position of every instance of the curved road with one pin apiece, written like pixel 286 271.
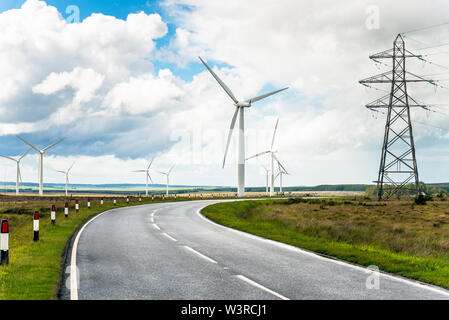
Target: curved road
pixel 169 251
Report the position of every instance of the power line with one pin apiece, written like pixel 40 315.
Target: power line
pixel 426 28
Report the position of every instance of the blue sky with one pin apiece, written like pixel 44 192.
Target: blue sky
pixel 124 91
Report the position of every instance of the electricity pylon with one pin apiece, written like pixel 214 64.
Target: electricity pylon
pixel 398 167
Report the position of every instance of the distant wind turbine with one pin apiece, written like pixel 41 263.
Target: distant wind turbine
pixel 239 109
pixel 167 174
pixel 66 178
pixel 147 175
pixel 280 173
pixel 17 161
pixel 273 158
pixel 41 161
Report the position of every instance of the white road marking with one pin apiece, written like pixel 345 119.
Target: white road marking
pixel 200 254
pixel 73 272
pixel 151 219
pixel 156 226
pixel 343 263
pixel 170 237
pixel 255 284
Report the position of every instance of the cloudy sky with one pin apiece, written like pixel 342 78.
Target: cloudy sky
pixel 122 81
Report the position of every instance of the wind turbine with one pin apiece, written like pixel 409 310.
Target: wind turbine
pixel 239 109
pixel 147 175
pixel 17 161
pixel 273 158
pixel 66 178
pixel 280 173
pixel 41 161
pixel 167 174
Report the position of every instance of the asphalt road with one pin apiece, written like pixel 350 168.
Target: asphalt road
pixel 169 251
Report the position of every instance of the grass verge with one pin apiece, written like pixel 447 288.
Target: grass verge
pixel 397 236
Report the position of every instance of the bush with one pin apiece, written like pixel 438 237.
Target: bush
pixel 422 199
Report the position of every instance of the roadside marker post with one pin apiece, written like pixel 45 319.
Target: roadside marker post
pixel 4 242
pixel 66 210
pixel 53 214
pixel 115 201
pixel 77 206
pixel 163 197
pixel 152 197
pixel 140 198
pixel 36 226
pixel 88 203
pixel 175 196
pixel 127 199
pixel 101 201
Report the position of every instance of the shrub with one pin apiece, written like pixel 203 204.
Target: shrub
pixel 422 199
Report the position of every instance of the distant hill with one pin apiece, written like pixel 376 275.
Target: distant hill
pixel 122 188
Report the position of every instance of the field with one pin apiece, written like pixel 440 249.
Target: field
pixel 398 236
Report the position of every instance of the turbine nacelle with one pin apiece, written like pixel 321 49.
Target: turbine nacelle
pixel 242 104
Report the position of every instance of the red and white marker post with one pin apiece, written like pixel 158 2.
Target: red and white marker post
pixel 140 198
pixel 127 199
pixel 53 214
pixel 175 196
pixel 163 197
pixel 115 201
pixel 77 206
pixel 88 203
pixel 66 210
pixel 4 242
pixel 36 226
pixel 101 201
pixel 152 197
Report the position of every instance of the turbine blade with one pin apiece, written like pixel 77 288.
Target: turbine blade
pixel 150 164
pixel 70 167
pixel 222 84
pixel 255 99
pixel 139 171
pixel 274 133
pixel 32 146
pixel 259 154
pixel 170 169
pixel 23 155
pixel 231 129
pixel 8 158
pixel 162 172
pixel 61 171
pixel 150 177
pixel 280 164
pixel 52 145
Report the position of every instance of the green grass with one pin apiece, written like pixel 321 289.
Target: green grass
pixel 35 267
pixel 398 237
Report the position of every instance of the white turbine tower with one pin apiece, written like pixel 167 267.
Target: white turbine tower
pixel 273 158
pixel 167 174
pixel 41 161
pixel 267 171
pixel 66 178
pixel 147 175
pixel 17 161
pixel 239 109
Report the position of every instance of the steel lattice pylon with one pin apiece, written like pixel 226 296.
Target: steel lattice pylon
pixel 398 168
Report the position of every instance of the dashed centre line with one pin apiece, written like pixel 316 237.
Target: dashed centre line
pixel 200 254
